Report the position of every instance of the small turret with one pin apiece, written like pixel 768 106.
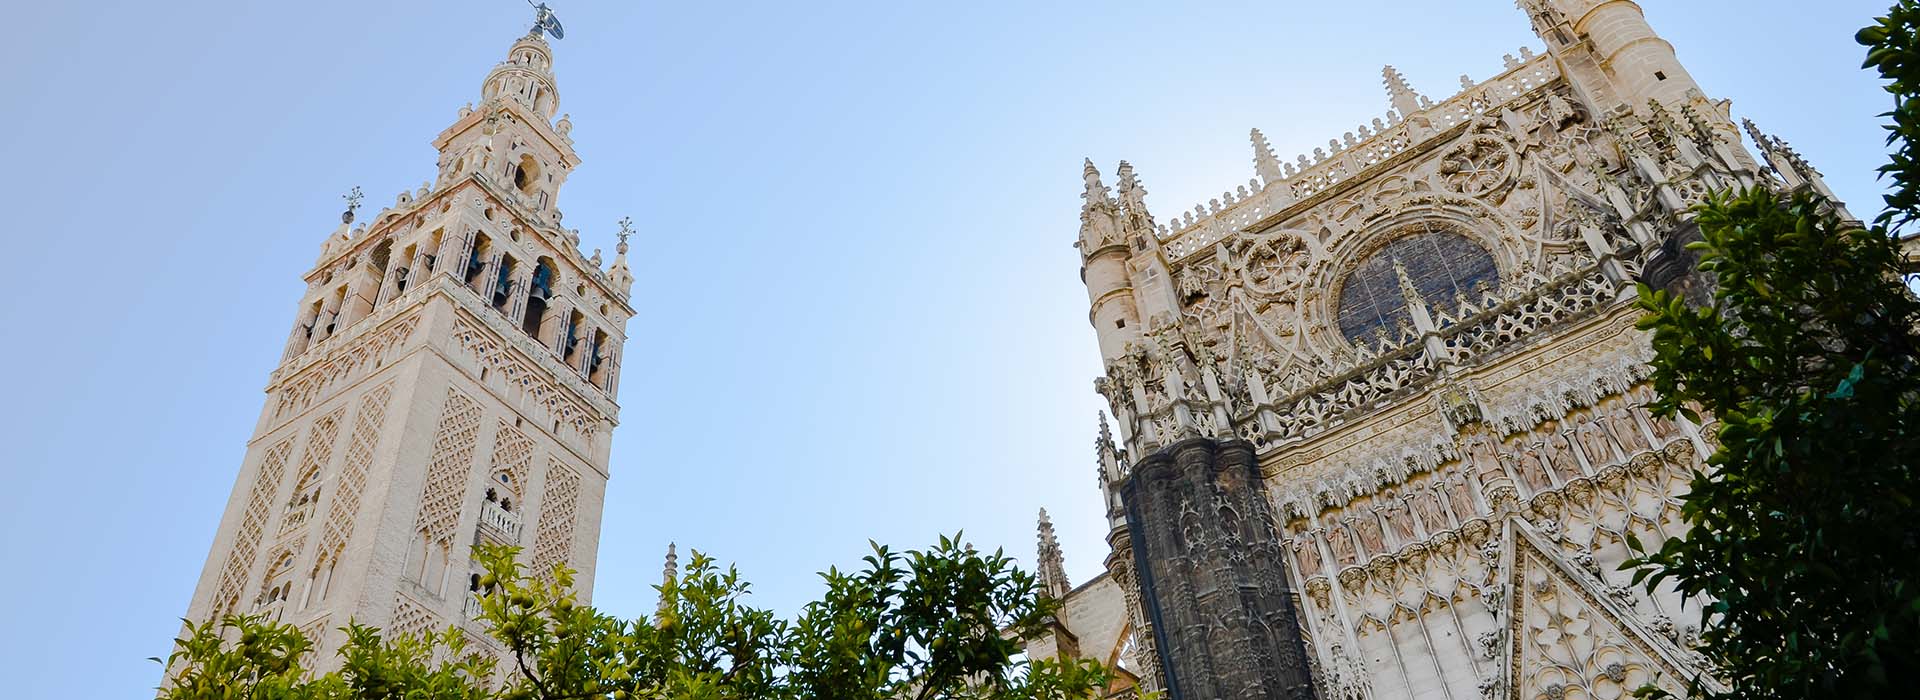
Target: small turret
pixel 1609 52
pixel 1104 253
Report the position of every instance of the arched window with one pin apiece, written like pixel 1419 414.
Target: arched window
pixel 526 174
pixel 477 260
pixel 1443 265
pixel 570 343
pixel 539 290
pixel 503 283
pixel 597 359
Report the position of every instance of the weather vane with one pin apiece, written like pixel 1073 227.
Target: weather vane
pixel 544 21
pixel 353 198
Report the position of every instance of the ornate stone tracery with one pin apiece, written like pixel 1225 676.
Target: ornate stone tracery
pixel 1425 330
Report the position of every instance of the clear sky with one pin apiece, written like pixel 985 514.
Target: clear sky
pixel 859 314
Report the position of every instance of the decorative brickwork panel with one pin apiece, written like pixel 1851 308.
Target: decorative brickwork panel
pixel 512 456
pixel 353 477
pixel 554 543
pixel 411 619
pixel 233 576
pixel 447 469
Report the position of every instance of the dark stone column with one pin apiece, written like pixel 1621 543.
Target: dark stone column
pixel 1674 268
pixel 1212 576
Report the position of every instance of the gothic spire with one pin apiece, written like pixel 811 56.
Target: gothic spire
pixel 1264 163
pixel 1405 100
pixel 1053 572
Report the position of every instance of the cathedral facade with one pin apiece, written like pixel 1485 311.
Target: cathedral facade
pixel 450 379
pixel 1377 413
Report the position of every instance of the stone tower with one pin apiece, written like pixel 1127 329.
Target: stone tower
pixel 1379 408
pixel 450 379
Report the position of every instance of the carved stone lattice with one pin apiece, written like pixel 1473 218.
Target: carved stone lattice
pixel 353 476
pixel 446 487
pixel 309 380
pixel 411 619
pixel 554 542
pixel 512 455
pixel 535 379
pixel 246 545
pixel 1567 647
pixel 1477 166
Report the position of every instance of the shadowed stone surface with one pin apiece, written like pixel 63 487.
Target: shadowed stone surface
pixel 1212 574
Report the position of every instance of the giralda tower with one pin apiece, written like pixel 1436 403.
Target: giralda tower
pixel 450 379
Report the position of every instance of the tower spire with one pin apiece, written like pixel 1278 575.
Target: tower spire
pixel 1405 100
pixel 1053 572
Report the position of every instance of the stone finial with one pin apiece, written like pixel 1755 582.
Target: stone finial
pixel 619 274
pixel 1265 164
pixel 668 575
pixel 1053 572
pixel 1405 100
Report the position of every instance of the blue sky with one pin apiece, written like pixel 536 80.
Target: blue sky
pixel 859 314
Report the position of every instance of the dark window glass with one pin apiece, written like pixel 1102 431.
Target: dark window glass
pixel 1443 266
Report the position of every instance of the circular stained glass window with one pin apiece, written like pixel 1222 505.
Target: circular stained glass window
pixel 1443 266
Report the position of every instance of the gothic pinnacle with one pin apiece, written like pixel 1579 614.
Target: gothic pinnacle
pixel 1265 164
pixel 1405 100
pixel 1052 564
pixel 667 578
pixel 1096 190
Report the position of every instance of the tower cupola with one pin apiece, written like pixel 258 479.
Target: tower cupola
pixel 526 77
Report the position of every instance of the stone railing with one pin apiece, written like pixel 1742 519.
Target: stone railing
pixel 470 605
pixel 1309 411
pixel 497 521
pixel 1342 159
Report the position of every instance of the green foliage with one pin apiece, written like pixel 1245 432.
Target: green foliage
pixel 1893 49
pixel 1802 535
pixel 945 622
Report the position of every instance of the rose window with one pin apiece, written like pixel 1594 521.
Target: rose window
pixel 1443 265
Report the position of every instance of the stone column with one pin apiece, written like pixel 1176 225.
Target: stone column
pixel 1212 574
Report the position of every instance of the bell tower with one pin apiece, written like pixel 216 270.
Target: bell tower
pixel 451 377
